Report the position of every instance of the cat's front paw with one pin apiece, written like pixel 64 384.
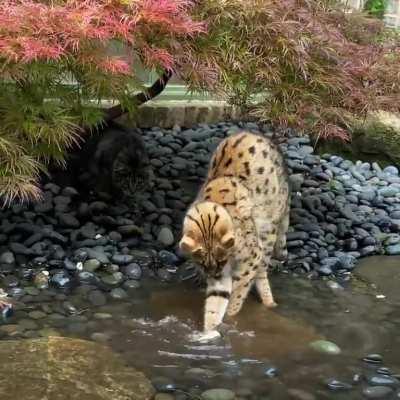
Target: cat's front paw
pixel 271 304
pixel 205 336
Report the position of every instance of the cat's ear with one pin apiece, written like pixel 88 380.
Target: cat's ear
pixel 228 240
pixel 189 246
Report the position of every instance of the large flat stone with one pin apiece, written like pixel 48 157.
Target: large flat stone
pixel 382 271
pixel 59 368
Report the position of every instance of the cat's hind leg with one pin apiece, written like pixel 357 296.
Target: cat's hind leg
pixel 263 287
pixel 280 250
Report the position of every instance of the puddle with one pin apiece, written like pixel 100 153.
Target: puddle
pixel 151 331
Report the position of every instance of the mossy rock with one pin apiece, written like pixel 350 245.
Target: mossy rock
pixel 60 368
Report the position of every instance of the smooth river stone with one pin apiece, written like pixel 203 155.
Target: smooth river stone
pixel 65 368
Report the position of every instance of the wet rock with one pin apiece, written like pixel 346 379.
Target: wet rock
pixel 11 330
pixel 10 281
pixel 7 258
pixel 377 392
pixel 384 371
pixel 7 311
pixel 28 324
pixel 165 236
pixel 97 298
pixel 336 385
pixel 164 275
pixel 61 280
pixel 130 230
pixel 164 396
pixel 131 285
pixel 18 248
pixel 218 394
pixel 91 265
pixel 200 372
pixel 324 346
pixel 163 384
pixel 41 279
pixel 122 259
pixel 102 316
pixel 168 258
pixel 383 380
pixel 105 375
pixel 373 359
pixel 68 220
pixel 271 372
pixel 393 249
pixel 37 315
pixel 114 279
pixel 32 291
pixel 69 307
pixel 118 294
pixel 299 394
pixel 77 328
pixel 133 271
pixel 100 337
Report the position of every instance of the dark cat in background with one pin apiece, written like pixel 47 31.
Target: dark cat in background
pixel 112 160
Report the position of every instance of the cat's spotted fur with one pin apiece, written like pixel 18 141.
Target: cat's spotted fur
pixel 238 222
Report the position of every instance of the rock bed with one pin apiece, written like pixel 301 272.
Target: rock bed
pixel 340 211
pixel 373 381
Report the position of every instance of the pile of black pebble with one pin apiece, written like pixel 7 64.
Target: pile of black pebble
pixel 340 211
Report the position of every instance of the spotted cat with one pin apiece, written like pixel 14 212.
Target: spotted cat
pixel 238 222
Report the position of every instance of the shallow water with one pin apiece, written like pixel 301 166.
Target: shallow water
pixel 151 331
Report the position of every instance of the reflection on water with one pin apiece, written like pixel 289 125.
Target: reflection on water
pixel 264 351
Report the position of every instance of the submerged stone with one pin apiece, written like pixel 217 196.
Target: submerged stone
pixel 324 346
pixel 373 359
pixel 218 394
pixel 377 392
pixel 65 368
pixel 336 385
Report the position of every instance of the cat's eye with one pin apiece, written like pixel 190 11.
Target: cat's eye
pixel 197 254
pixel 221 263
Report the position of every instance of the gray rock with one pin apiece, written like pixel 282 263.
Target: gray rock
pixel 114 279
pixel 97 298
pixel 377 392
pixel 383 380
pixel 393 249
pixel 300 394
pixel 100 337
pixel 122 259
pixel 118 294
pixel 133 271
pixel 336 385
pixel 131 285
pixel 391 170
pixel 7 258
pixel 130 230
pixel 165 236
pixel 218 394
pixel 68 220
pixel 19 248
pixel 389 191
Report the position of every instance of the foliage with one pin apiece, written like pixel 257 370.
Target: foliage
pixel 376 7
pixel 45 45
pixel 312 64
pixel 309 64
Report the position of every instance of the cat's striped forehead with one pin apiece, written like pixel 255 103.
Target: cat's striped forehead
pixel 205 219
